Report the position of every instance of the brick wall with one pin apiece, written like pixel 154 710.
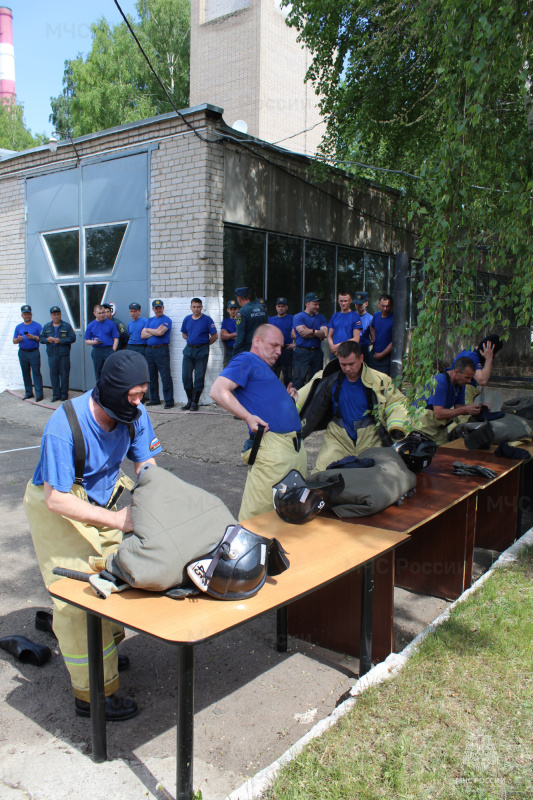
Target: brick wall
pixel 12 279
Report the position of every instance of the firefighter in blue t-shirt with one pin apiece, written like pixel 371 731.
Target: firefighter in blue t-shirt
pixel 103 336
pixel 249 389
pixel 284 322
pixel 446 402
pixel 311 329
pixel 343 326
pixel 381 333
pixel 27 335
pixel 228 330
pixel 200 333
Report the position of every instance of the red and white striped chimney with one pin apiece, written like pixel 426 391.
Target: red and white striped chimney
pixel 7 55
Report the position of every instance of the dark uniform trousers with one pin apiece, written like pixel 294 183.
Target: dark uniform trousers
pixel 99 355
pixel 59 375
pixel 381 365
pixel 30 362
pixel 307 361
pixel 158 359
pixel 284 364
pixel 194 361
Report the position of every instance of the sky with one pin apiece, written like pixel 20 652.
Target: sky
pixel 45 34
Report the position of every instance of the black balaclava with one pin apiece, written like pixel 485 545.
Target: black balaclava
pixel 493 339
pixel 120 373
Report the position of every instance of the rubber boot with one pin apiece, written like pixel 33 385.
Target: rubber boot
pixel 187 406
pixel 195 400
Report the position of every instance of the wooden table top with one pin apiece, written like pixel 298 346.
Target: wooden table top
pixel 437 489
pixel 319 551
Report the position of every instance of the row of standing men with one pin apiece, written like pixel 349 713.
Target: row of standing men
pixel 302 352
pixel 303 333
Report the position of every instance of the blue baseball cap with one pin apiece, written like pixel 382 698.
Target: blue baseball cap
pixel 282 300
pixel 361 297
pixel 135 306
pixel 55 310
pixel 312 297
pixel 157 304
pixel 232 304
pixel 25 309
pixel 242 291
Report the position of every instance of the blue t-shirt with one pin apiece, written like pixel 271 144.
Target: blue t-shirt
pixel 105 451
pixel 472 354
pixel 315 322
pixel 106 331
pixel 198 330
pixel 229 325
pixel 285 325
pixel 155 322
pixel 344 325
pixel 445 394
pixel 261 393
pixel 34 328
pixel 382 331
pixel 353 404
pixel 366 322
pixel 134 329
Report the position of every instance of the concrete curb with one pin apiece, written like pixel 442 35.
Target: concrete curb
pixel 393 664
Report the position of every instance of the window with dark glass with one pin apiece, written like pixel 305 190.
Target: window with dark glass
pixel 71 298
pixel 350 270
pixel 320 274
pixel 102 245
pixel 284 272
pixel 376 278
pixel 64 250
pixel 244 261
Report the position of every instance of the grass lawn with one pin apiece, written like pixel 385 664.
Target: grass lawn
pixel 456 723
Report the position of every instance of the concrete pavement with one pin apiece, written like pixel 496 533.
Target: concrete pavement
pixel 252 703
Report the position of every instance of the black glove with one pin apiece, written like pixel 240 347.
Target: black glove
pixel 473 469
pixel 507 451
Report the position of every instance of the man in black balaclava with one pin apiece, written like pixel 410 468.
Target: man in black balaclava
pixel 482 355
pixel 73 516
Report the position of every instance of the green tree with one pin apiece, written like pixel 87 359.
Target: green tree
pixel 114 84
pixel 61 116
pixel 438 89
pixel 14 135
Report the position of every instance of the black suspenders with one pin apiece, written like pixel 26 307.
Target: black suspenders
pixel 79 442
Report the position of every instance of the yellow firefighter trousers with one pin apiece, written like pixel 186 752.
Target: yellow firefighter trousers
pixel 336 444
pixel 275 458
pixel 62 542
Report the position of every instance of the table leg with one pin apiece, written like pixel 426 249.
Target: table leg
pixel 185 722
pixel 367 603
pixel 96 688
pixel 282 619
pixel 521 500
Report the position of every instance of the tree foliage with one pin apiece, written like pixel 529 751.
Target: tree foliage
pixel 114 84
pixel 440 90
pixel 14 135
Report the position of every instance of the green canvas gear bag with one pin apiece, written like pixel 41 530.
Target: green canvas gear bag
pixel 370 490
pixel 174 522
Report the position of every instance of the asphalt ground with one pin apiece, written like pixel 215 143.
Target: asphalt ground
pixel 251 702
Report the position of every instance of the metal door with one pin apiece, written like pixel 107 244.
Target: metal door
pixel 87 242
